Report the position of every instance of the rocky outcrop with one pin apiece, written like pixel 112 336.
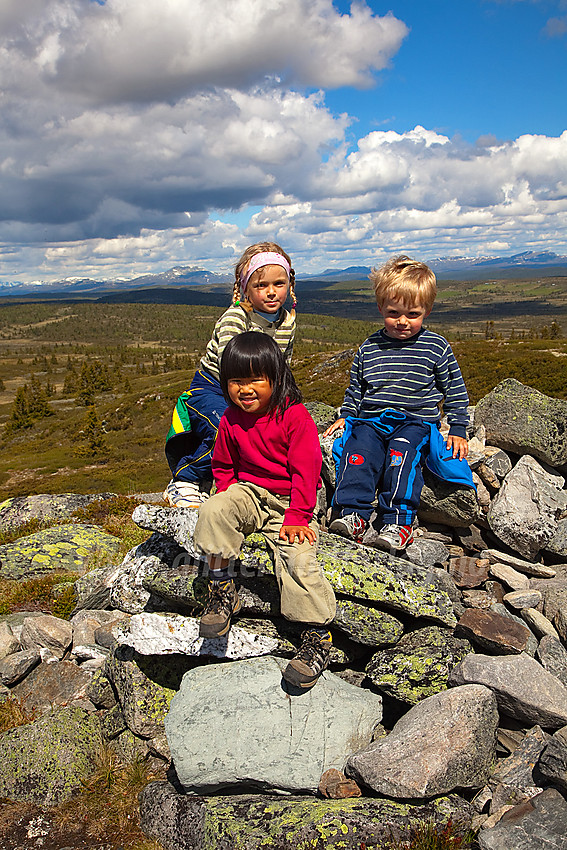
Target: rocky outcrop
pixel 445 698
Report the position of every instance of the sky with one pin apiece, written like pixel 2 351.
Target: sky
pixel 140 135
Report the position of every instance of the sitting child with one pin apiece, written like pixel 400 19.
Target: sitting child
pixel 263 279
pixel 398 379
pixel 266 465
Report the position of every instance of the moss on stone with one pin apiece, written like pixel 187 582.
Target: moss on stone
pixel 64 547
pixel 46 761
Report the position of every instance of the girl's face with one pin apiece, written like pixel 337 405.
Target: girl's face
pixel 251 394
pixel 268 288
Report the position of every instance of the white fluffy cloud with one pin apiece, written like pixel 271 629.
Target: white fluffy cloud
pixel 129 127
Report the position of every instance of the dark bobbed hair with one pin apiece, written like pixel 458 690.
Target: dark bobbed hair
pixel 252 355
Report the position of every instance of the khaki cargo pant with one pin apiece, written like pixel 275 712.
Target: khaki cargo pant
pixel 228 517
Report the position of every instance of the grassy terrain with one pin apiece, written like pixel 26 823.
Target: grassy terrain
pixel 87 389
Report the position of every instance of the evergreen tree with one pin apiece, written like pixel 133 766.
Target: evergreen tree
pixel 93 435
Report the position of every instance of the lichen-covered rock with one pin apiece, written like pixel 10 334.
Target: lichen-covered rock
pixel 280 738
pixel 100 692
pixel 365 573
pixel 520 419
pixel 357 571
pixel 257 822
pixel 419 665
pixel 64 548
pixel 44 507
pixel 366 625
pixel 144 703
pixel 47 761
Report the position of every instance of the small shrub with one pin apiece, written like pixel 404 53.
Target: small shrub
pixel 13 712
pixel 14 532
pixel 114 515
pixel 36 594
pixel 428 836
pixel 108 803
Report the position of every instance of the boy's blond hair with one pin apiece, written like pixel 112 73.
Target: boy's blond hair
pixel 402 279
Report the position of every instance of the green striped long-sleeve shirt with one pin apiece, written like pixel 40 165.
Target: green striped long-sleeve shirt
pixel 237 320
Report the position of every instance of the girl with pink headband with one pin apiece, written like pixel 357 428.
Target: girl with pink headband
pixel 264 278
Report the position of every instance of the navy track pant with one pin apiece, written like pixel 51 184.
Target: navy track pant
pixel 189 454
pixel 389 463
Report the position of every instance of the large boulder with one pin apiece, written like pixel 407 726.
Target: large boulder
pixel 44 507
pixel 522 420
pixel 524 512
pixel 266 735
pixel 446 742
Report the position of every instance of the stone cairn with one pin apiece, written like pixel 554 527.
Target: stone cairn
pixel 446 698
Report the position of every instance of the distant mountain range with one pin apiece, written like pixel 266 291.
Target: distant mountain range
pixel 545 263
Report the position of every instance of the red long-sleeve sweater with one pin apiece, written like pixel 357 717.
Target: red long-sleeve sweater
pixel 282 455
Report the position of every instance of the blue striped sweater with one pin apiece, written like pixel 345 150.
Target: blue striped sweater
pixel 413 375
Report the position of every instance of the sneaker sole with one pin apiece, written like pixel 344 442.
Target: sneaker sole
pixel 386 546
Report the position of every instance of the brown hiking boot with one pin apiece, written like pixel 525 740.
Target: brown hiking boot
pixel 312 658
pixel 221 604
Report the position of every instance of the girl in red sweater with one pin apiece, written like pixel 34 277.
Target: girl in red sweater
pixel 266 465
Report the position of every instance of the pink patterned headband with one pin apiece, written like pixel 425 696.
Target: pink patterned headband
pixel 266 258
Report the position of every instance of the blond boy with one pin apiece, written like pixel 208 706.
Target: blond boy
pixel 399 377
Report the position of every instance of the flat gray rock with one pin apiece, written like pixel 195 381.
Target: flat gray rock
pixel 264 736
pixel 448 741
pixel 523 689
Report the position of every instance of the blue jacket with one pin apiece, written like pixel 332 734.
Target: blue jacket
pixel 439 461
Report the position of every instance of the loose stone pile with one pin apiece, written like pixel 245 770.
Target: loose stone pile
pixel 447 692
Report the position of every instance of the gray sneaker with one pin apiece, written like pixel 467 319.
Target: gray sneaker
pixel 394 538
pixel 309 662
pixel 221 605
pixel 351 526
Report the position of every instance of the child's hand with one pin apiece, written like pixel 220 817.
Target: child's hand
pixel 459 446
pixel 338 423
pixel 303 532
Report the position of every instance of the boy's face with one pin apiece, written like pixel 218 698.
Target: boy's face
pixel 401 322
